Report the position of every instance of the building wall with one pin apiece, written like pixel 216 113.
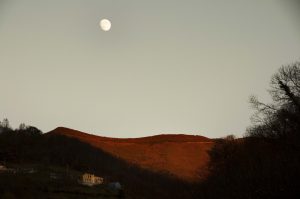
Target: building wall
pixel 91 179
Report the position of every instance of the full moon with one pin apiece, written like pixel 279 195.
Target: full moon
pixel 105 24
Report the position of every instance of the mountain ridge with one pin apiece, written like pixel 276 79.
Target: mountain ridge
pixel 159 137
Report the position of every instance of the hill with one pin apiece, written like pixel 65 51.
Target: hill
pixel 19 147
pixel 184 156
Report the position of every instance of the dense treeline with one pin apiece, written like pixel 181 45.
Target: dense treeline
pixel 266 162
pixel 29 145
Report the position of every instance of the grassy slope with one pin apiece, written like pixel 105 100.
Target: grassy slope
pixel 184 156
pixel 39 184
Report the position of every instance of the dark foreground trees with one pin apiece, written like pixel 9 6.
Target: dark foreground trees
pixel 281 119
pixel 266 162
pixel 27 145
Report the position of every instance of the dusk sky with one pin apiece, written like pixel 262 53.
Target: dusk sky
pixel 164 67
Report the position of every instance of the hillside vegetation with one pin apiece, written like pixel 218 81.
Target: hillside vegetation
pixel 184 156
pixel 30 146
pixel 41 181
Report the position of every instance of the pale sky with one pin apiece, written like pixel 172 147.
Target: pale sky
pixel 165 66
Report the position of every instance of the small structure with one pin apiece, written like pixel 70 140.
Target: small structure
pixel 116 186
pixel 3 168
pixel 91 180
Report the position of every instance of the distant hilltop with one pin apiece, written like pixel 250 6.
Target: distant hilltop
pixel 184 156
pixel 154 138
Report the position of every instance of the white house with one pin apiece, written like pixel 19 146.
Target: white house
pixel 91 179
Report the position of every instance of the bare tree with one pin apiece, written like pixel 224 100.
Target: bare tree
pixel 281 117
pixel 285 86
pixel 5 123
pixel 22 126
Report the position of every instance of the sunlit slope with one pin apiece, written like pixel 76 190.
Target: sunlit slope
pixel 184 156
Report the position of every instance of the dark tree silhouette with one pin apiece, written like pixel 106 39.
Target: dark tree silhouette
pixel 5 126
pixel 266 162
pixel 280 118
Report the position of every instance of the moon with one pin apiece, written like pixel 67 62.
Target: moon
pixel 105 25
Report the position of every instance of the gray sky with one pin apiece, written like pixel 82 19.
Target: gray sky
pixel 164 67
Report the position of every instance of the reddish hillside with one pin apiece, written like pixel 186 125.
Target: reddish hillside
pixel 184 156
